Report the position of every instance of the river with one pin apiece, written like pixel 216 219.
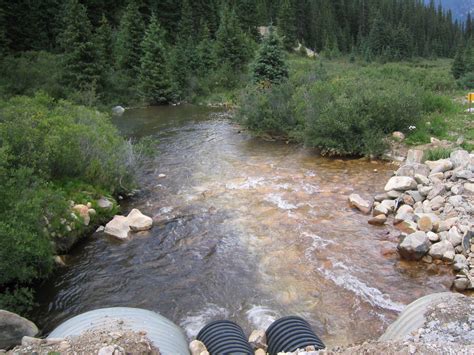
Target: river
pixel 247 230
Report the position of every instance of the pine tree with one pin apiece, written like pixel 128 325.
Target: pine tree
pixel 154 78
pixel 103 42
pixel 270 66
pixel 3 33
pixel 185 59
pixel 231 43
pixel 80 57
pixel 459 64
pixel 130 35
pixel 205 51
pixel 287 25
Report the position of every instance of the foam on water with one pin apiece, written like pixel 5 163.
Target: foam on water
pixel 340 276
pixel 261 317
pixel 250 183
pixel 277 199
pixel 316 243
pixel 193 323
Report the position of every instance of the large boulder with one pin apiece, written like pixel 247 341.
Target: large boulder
pixel 414 246
pixel 440 249
pixel 118 227
pixel 401 183
pixel 358 202
pixel 13 328
pixel 439 166
pixel 121 226
pixel 138 221
pixel 460 159
pixel 413 169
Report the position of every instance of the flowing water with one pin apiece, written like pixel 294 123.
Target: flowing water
pixel 246 230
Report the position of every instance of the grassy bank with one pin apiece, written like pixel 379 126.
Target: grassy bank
pixel 349 108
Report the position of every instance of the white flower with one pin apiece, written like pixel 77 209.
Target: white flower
pixel 411 128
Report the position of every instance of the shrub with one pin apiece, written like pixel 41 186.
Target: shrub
pixel 268 110
pixel 467 81
pixel 60 140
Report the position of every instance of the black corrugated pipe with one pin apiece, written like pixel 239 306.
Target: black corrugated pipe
pixel 291 333
pixel 224 337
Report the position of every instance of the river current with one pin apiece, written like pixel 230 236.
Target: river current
pixel 247 230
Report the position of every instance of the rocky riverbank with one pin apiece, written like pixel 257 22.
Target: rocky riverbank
pixel 431 203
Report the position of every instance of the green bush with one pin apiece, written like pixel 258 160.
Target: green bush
pixel 268 110
pixel 52 152
pixel 60 140
pixel 467 81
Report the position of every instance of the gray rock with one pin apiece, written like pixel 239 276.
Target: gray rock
pixel 105 203
pixel 463 174
pixel 455 201
pixel 413 169
pixel 439 166
pixel 401 183
pixel 394 194
pixel 437 203
pixel 118 110
pixel 258 339
pixel 13 328
pixel 414 246
pixel 424 190
pixel 406 226
pixel 469 187
pixel 389 205
pixel 437 190
pixel 454 237
pixel 457 189
pixel 421 179
pixel 447 224
pixel 438 250
pixel 405 210
pixel 460 159
pixel 414 156
pixel 380 210
pixel 436 178
pixel 381 197
pixel 417 197
pixel 461 284
pixel 433 237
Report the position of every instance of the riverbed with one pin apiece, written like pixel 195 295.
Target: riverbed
pixel 247 230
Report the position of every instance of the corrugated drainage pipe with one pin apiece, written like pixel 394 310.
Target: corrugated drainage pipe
pixel 291 333
pixel 224 337
pixel 413 316
pixel 163 333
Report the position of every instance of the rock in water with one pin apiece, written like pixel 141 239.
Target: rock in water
pixel 358 202
pixel 118 110
pixel 414 246
pixel 118 227
pixel 401 183
pixel 138 221
pixel 13 328
pixel 378 220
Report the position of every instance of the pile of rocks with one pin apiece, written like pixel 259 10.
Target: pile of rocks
pixel 120 227
pixel 432 204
